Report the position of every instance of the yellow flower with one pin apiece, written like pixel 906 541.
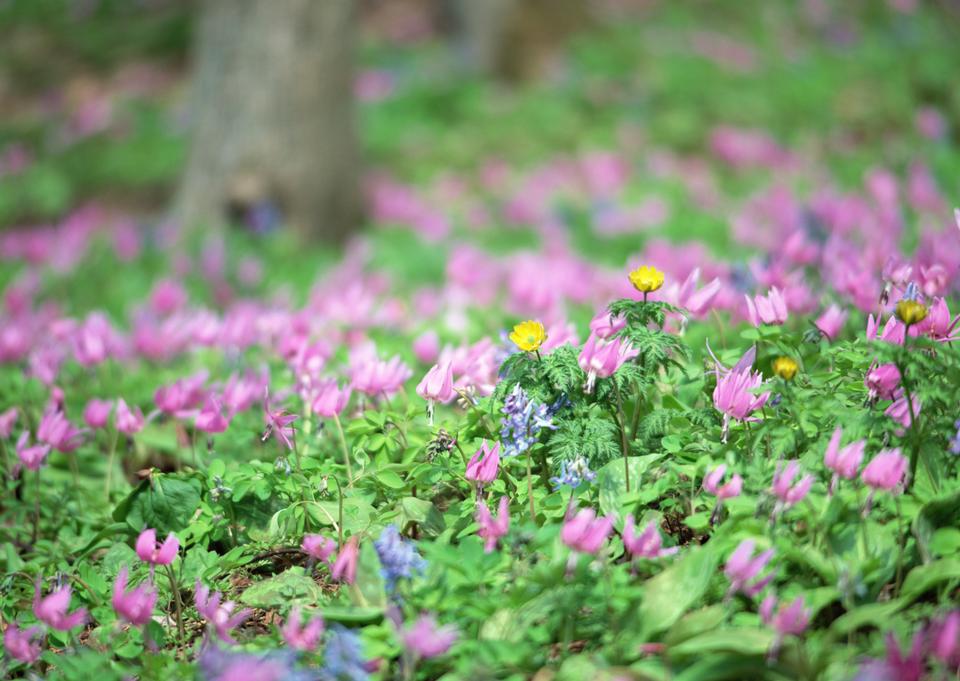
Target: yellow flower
pixel 646 279
pixel 785 368
pixel 528 335
pixel 911 312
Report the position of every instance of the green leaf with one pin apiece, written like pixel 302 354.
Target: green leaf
pixel 611 480
pixel 943 512
pixel 291 587
pixel 740 640
pixel 422 512
pixel 667 596
pixel 389 478
pixel 369 591
pixel 873 614
pixel 924 577
pixel 164 502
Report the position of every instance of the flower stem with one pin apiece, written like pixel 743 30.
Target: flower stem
pixel 533 512
pixel 178 602
pixel 346 452
pixel 623 435
pixel 36 512
pixel 113 451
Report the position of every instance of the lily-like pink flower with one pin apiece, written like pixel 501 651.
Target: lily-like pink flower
pixel 58 432
pixel 331 400
pixel 843 462
pixel 493 528
pixel 317 546
pixel 945 639
pixel 601 358
pixel 211 418
pixel 734 396
pixel 789 620
pixel 31 457
pixel 129 421
pixel 783 488
pixel 882 381
pixel 711 483
pixel 52 609
pixel 373 376
pixel 299 636
pixel 345 566
pixel 584 532
pixel 938 324
pixel 151 552
pixel 181 397
pixel 831 322
pixel 7 421
pixel 605 325
pixel 743 569
pixel 647 544
pixel 893 331
pixel 899 410
pixel 484 464
pixel 426 347
pixel 97 413
pixel 769 309
pixel 23 645
pixel 426 639
pixel 886 470
pixel 134 606
pixel 437 385
pixel 693 300
pixel 219 616
pixel 278 423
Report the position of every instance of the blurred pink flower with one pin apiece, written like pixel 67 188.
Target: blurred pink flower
pixel 437 385
pixel 52 609
pixel 769 309
pixel 711 483
pixel 135 606
pixel 426 639
pixel 743 569
pixel 843 462
pixel 23 645
pixel 882 381
pixel 7 421
pixel 58 432
pixel 331 400
pixel 317 546
pixel 299 636
pixel 345 566
pixel 601 359
pixel 886 470
pixel 492 529
pixel 97 413
pixel 211 418
pixel 484 464
pixel 787 493
pixel 648 544
pixel 31 457
pixel 151 552
pixel 129 422
pixel 831 322
pixel 219 615
pixel 584 532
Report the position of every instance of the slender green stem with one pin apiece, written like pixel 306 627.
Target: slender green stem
pixel 903 546
pixel 533 512
pixel 178 602
pixel 113 451
pixel 340 511
pixel 36 512
pixel 346 452
pixel 623 435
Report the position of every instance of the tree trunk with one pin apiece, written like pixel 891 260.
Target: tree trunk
pixel 273 116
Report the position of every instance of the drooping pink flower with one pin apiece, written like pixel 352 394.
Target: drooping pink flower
pixel 711 483
pixel 484 464
pixel 134 606
pixel 211 418
pixel 219 615
pixel 426 347
pixel 7 420
pixel 31 457
pixel 789 620
pixel 783 488
pixel 345 566
pixel 317 546
pixel 743 569
pixel 437 385
pixel 734 394
pixel 97 413
pixel 278 423
pixel 605 325
pixel 600 358
pixel 647 544
pixel 899 410
pixel 843 462
pixel 945 639
pixel 831 322
pixel 493 528
pixel 52 609
pixel 129 421
pixel 584 532
pixel 882 381
pixel 182 396
pixel 58 432
pixel 151 552
pixel 769 309
pixel 167 297
pixel 909 666
pixel 886 470
pixel 301 637
pixel 331 399
pixel 373 376
pixel 687 296
pixel 427 639
pixel 938 324
pixel 23 645
pixel 893 331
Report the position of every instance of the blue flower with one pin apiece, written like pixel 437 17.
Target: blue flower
pixel 955 442
pixel 343 656
pixel 398 558
pixel 218 663
pixel 573 473
pixel 523 419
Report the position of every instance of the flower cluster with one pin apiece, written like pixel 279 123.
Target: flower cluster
pixel 398 558
pixel 523 419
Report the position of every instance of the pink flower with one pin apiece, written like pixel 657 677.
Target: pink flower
pixel 278 422
pixel 831 322
pixel 769 309
pixel 789 620
pixel 31 457
pixel 484 464
pixel 52 610
pixel 7 421
pixel 23 645
pixel 135 606
pixel 893 331
pixel 882 381
pixel 211 418
pixel 686 295
pixel 938 324
pixel 734 396
pixel 605 325
pixel 426 639
pixel 426 347
pixel 58 432
pixel 345 566
pixel 181 396
pixel 843 462
pixel 437 385
pixel 946 639
pixel 647 544
pixel 886 470
pixel 129 422
pixel 584 532
pixel 743 568
pixel 899 410
pixel 600 359
pixel 317 546
pixel 219 616
pixel 373 376
pixel 493 528
pixel 167 297
pixel 97 413
pixel 156 554
pixel 783 487
pixel 299 637
pixel 711 483
pixel 331 399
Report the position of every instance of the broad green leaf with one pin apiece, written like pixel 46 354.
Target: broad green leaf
pixel 291 587
pixel 667 596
